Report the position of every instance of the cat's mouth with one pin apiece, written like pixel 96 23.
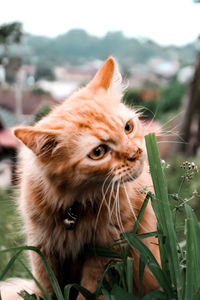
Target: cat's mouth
pixel 130 176
pixel 126 179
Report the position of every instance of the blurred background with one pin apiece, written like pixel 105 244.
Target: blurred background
pixel 48 49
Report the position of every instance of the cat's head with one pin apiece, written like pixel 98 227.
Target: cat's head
pixel 91 137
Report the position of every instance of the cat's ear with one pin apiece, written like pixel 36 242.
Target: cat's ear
pixel 107 76
pixel 41 142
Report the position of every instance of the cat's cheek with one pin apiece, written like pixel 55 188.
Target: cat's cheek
pixel 139 167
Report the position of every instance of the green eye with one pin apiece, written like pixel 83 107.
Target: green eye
pixel 129 127
pixel 98 152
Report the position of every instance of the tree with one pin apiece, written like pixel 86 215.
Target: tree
pixel 190 128
pixel 11 33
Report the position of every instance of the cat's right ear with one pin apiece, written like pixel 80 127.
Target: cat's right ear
pixel 41 142
pixel 107 77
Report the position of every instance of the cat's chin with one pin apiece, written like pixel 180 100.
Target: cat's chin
pixel 124 180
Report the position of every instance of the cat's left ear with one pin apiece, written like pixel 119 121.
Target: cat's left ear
pixel 41 142
pixel 107 77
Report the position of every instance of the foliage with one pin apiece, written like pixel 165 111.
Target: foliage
pixel 11 33
pixel 10 230
pixel 178 275
pixel 77 46
pixel 171 97
pixel 43 110
pixel 39 91
pixel 134 99
pixel 169 100
pixel 44 72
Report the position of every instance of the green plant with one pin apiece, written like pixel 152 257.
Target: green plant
pixel 43 110
pixel 178 275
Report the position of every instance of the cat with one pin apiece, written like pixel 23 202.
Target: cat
pixel 82 170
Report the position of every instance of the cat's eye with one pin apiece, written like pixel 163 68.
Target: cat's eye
pixel 129 127
pixel 98 152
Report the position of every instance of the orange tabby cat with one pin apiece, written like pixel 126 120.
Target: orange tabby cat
pixel 83 167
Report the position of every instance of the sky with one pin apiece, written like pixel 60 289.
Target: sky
pixel 164 21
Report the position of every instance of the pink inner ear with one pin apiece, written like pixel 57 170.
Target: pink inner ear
pixel 104 76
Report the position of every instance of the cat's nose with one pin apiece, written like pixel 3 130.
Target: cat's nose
pixel 131 158
pixel 134 156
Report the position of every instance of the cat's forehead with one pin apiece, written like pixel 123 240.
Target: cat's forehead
pixel 102 110
pixel 103 123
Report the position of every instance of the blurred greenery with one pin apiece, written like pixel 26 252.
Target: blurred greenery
pixel 168 99
pixel 182 188
pixel 42 111
pixel 39 91
pixel 10 231
pixel 77 46
pixel 11 33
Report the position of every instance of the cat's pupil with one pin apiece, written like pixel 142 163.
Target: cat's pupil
pixel 97 151
pixel 127 126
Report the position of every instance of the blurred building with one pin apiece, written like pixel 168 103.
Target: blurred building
pixel 30 103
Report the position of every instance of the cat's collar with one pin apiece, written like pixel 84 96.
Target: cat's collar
pixel 72 216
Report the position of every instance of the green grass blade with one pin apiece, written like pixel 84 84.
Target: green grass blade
pixel 46 295
pixel 27 296
pixel 48 269
pixel 141 273
pixel 120 294
pixel 156 295
pixel 192 284
pixel 164 214
pixel 106 294
pixel 190 260
pixel 153 265
pixel 129 274
pixel 141 213
pixel 9 265
pixel 82 290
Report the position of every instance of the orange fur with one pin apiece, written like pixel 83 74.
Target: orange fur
pixel 56 171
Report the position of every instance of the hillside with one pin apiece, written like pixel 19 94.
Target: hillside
pixel 77 46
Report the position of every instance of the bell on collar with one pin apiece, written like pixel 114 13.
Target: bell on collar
pixel 70 219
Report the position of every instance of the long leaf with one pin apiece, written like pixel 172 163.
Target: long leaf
pixel 141 213
pixel 192 284
pixel 121 294
pixel 141 273
pixel 106 294
pixel 47 296
pixel 82 290
pixel 129 274
pixel 48 269
pixel 164 214
pixel 155 295
pixel 153 265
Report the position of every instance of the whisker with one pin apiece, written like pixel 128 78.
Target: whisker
pixel 129 202
pixel 103 199
pixel 118 214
